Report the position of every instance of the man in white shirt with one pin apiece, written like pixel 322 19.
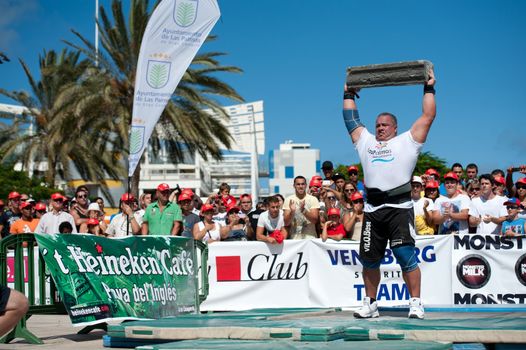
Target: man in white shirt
pixel 423 207
pixel 270 221
pixel 452 209
pixel 127 222
pixel 49 222
pixel 487 212
pixel 301 211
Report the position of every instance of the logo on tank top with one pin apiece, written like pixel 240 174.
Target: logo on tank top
pixel 381 153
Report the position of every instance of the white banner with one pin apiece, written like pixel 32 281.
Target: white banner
pixel 489 269
pixel 174 34
pixel 250 275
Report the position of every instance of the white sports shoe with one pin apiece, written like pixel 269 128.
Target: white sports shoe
pixel 368 309
pixel 416 308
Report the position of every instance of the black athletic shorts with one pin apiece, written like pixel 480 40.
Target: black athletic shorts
pixel 385 224
pixel 4 297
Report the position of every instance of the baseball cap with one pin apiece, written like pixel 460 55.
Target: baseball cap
pixel 206 207
pixel 184 197
pixel 163 187
pixel 93 221
pixel 232 208
pixel 356 195
pixel 24 205
pixel 521 181
pixel 432 171
pixel 352 168
pixel 513 201
pixel 432 184
pixel 451 175
pixel 94 206
pixel 417 179
pixel 317 177
pixel 315 183
pixel 337 176
pixel 40 206
pixel 500 180
pixel 57 196
pixel 188 191
pixel 14 195
pixel 127 197
pixel 333 211
pixel 327 165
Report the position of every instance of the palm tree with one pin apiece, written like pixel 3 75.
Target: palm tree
pixel 183 125
pixel 50 131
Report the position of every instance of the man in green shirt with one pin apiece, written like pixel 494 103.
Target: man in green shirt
pixel 162 217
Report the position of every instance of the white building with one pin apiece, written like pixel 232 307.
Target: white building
pixel 291 160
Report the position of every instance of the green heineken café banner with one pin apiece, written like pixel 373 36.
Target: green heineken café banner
pixel 130 278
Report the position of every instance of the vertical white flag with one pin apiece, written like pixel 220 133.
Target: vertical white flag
pixel 174 34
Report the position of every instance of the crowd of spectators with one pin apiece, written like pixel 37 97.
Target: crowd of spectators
pixel 328 207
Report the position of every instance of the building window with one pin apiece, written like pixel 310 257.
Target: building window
pixel 318 166
pixel 276 189
pixel 289 172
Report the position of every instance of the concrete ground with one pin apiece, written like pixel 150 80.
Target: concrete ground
pixel 57 333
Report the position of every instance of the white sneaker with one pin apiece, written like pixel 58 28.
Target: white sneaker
pixel 416 308
pixel 368 309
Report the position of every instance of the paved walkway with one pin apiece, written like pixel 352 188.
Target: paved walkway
pixel 57 333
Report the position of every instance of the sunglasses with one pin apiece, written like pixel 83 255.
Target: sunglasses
pixel 41 211
pixel 59 200
pixel 358 201
pixel 82 196
pixel 521 187
pixel 246 202
pixel 350 191
pixel 331 198
pixel 473 189
pixel 512 207
pixel 350 174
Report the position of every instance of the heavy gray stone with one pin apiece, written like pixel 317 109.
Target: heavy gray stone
pixel 389 74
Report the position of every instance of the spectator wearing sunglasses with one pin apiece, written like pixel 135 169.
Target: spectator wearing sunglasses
pixel 127 222
pixel 40 209
pixel 79 210
pixel 352 170
pixel 452 209
pixel 424 208
pixel 513 225
pixel 26 224
pixel 473 189
pixel 50 221
pixel 353 221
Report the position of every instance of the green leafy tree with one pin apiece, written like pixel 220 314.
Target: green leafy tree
pixel 108 97
pixel 18 181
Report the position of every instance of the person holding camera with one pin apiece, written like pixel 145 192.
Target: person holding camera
pixel 388 161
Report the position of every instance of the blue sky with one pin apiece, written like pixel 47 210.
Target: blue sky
pixel 295 53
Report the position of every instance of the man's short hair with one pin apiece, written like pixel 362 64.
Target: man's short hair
pixel 277 195
pixel 393 117
pixel 224 186
pixel 497 172
pixel 472 166
pixel 456 165
pixel 487 177
pixel 299 177
pixel 65 227
pixel 273 199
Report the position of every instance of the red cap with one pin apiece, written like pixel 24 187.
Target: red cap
pixel 521 181
pixel 232 208
pixel 40 206
pixel 356 195
pixel 432 171
pixel 352 168
pixel 93 221
pixel 13 195
pixel 432 184
pixel 163 187
pixel 24 205
pixel 184 196
pixel 188 191
pixel 206 207
pixel 315 183
pixel 500 180
pixel 56 196
pixel 333 211
pixel 451 175
pixel 317 177
pixel 127 197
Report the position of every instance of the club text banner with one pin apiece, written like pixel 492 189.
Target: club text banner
pixel 131 278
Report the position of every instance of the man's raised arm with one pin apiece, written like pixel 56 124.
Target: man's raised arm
pixel 421 127
pixel 351 118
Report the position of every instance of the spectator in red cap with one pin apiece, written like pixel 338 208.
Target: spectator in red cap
pixel 431 190
pixel 95 212
pixel 162 217
pixel 271 221
pixel 513 225
pixel 353 221
pixel 512 190
pixel 127 222
pixel 487 211
pixel 352 170
pixel 452 209
pixel 49 222
pixel 234 230
pixel 185 201
pixel 333 228
pixel 207 230
pixel 423 207
pixel 224 194
pixel 12 213
pixel 26 224
pixel 499 187
pixel 40 209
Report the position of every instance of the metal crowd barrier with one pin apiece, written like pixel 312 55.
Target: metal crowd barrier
pixel 39 288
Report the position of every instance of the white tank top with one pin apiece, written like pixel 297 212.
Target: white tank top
pixel 211 234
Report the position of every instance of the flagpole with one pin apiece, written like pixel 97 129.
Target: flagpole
pixel 96 33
